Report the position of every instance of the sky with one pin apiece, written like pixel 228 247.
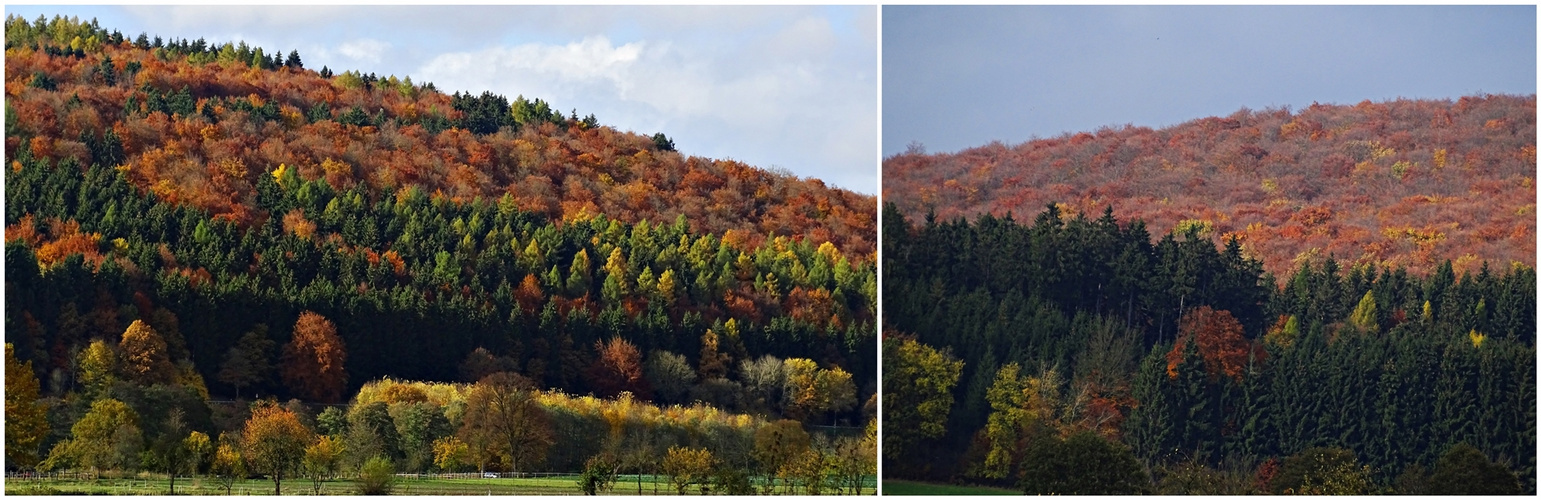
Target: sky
pixel 793 88
pixel 960 77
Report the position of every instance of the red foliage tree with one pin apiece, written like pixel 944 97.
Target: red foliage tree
pixel 1221 343
pixel 617 368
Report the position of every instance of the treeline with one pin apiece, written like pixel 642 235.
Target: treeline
pixel 500 423
pixel 1194 360
pixel 1400 183
pixel 200 123
pixel 188 223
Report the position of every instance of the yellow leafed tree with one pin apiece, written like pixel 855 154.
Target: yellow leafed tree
pixel 144 355
pixel 25 422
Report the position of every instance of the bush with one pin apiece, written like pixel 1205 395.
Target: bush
pixel 598 475
pixel 1083 464
pixel 1464 470
pixel 1322 471
pixel 733 481
pixel 376 477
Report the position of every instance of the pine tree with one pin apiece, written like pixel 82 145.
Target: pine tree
pixel 1149 428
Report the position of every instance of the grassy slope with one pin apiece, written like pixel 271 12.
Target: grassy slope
pixel 892 487
pixel 156 485
pixel 207 486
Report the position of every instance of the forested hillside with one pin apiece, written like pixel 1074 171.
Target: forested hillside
pixel 189 220
pixel 1404 183
pixel 198 123
pixel 1076 355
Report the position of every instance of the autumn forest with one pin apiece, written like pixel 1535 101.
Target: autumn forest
pixel 230 271
pixel 1334 300
pixel 226 264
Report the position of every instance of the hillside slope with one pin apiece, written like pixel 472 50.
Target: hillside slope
pixel 1399 183
pixel 199 123
pixel 224 197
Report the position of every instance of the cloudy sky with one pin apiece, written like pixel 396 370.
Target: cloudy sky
pixel 788 87
pixel 958 77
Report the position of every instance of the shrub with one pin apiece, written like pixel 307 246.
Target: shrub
pixel 376 477
pixel 598 475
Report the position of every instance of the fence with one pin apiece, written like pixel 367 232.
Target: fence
pixel 48 476
pixel 457 483
pixel 486 475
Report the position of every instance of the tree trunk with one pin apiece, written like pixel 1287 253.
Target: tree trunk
pixel 277 477
pixel 173 483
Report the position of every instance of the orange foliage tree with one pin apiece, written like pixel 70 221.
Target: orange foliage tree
pixel 618 368
pixel 273 442
pixel 313 360
pixel 1220 339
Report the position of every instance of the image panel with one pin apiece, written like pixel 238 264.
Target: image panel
pixel 1209 250
pixel 484 250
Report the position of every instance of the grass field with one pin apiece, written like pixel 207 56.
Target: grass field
pixel 559 485
pixel 157 485
pixel 891 487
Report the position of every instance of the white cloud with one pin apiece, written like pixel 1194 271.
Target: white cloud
pixel 364 50
pixel 785 96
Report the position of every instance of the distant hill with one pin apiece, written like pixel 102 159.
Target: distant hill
pixel 200 122
pixel 218 194
pixel 1400 183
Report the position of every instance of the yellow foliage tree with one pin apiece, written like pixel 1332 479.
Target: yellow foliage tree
pixel 229 466
pixel 320 461
pixel 98 366
pixel 200 450
pixel 1364 315
pixel 106 438
pixel 688 466
pixel 666 287
pixel 25 420
pixel 616 266
pixel 144 355
pixel 451 454
pixel 807 470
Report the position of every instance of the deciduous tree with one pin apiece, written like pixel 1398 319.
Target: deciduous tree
pixel 917 394
pixel 1083 464
pixel 617 367
pixel 320 462
pixel 1364 316
pixel 451 454
pixel 228 466
pixel 688 466
pixel 313 360
pixel 201 451
pixel 273 443
pixel 248 363
pixel 106 438
pixel 776 444
pixel 1220 340
pixel 1465 470
pixel 98 366
pixel 25 420
pixel 670 375
pixel 503 419
pixel 1322 471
